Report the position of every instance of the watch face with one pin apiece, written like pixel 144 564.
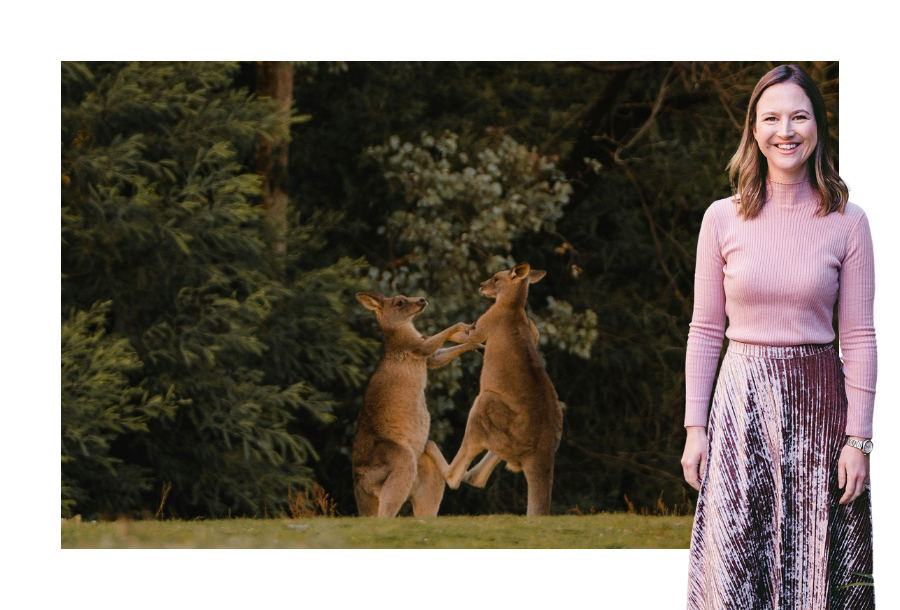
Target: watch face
pixel 867 447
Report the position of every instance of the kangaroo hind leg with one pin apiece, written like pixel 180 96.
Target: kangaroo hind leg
pixel 454 471
pixel 539 475
pixel 428 491
pixel 400 479
pixel 481 415
pixel 478 475
pixel 366 503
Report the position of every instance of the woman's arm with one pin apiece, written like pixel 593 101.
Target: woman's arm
pixel 858 350
pixel 857 329
pixel 707 323
pixel 703 347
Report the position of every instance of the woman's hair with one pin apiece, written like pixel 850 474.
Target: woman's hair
pixel 751 165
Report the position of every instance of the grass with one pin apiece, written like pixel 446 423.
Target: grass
pixel 599 531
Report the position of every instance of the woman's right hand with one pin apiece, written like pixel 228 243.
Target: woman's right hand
pixel 695 453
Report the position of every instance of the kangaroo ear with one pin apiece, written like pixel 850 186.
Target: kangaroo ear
pixel 371 300
pixel 535 276
pixel 519 271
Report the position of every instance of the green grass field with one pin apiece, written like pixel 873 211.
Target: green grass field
pixel 599 531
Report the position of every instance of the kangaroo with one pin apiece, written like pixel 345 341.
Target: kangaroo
pixel 389 463
pixel 516 416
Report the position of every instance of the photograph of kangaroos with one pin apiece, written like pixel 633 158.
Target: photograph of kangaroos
pixel 516 417
pixel 297 289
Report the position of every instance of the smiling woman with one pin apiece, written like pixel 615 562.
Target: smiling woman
pixel 783 519
pixel 786 141
pixel 785 131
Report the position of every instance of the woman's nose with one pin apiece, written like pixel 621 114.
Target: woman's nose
pixel 786 129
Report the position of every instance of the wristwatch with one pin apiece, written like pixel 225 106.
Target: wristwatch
pixel 864 446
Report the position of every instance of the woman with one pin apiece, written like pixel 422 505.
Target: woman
pixel 784 515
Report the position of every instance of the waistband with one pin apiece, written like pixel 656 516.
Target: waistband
pixel 779 352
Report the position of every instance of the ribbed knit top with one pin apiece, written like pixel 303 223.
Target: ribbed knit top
pixel 776 278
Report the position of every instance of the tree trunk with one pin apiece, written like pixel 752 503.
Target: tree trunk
pixel 275 79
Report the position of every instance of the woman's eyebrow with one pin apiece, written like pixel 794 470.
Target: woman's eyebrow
pixel 774 112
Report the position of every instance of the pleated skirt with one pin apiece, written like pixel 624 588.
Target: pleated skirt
pixel 768 530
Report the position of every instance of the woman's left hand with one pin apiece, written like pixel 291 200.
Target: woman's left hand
pixel 853 473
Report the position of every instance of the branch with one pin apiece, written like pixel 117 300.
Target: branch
pixel 649 122
pixel 660 98
pixel 649 216
pixel 592 114
pixel 721 94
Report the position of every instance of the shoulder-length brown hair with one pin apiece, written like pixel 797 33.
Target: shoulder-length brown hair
pixel 751 166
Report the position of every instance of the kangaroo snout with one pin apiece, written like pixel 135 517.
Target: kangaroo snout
pixel 488 288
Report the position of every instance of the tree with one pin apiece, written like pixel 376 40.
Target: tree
pixel 276 81
pixel 98 405
pixel 161 220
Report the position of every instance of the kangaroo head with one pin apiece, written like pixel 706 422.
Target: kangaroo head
pixel 392 312
pixel 511 284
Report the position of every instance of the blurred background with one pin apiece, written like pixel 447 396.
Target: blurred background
pixel 218 219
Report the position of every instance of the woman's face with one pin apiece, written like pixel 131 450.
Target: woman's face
pixel 785 131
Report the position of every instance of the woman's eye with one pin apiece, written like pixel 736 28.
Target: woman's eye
pixel 801 117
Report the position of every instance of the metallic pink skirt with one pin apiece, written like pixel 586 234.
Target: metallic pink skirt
pixel 768 531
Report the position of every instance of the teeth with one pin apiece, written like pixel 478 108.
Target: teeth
pixel 787 146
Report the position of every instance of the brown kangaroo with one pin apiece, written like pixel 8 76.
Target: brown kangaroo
pixel 389 463
pixel 516 416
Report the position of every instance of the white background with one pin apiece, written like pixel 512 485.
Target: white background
pixel 36 38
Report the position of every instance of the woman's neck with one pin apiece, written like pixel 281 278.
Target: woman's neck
pixel 795 176
pixel 790 193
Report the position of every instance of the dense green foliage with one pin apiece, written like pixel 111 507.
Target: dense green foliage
pixel 98 405
pixel 159 220
pixel 235 374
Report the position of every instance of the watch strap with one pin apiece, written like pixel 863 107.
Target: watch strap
pixel 864 446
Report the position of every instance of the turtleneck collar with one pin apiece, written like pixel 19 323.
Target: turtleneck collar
pixel 791 194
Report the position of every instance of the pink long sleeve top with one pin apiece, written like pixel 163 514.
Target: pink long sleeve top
pixel 776 278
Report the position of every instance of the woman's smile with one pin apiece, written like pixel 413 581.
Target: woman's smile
pixel 786 131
